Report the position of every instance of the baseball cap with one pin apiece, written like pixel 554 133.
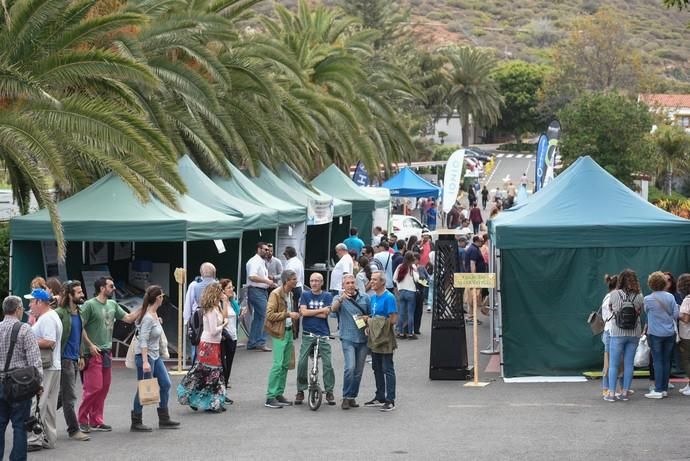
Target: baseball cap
pixel 40 294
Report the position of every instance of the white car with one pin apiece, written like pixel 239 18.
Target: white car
pixel 405 226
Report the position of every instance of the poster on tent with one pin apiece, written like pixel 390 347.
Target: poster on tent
pixel 292 235
pixel 319 212
pixel 122 250
pixel 52 267
pixel 98 253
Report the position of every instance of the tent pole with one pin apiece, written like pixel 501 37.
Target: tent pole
pixel 238 282
pixel 83 253
pixel 328 255
pixel 10 269
pixel 492 304
pixel 184 296
pixel 500 309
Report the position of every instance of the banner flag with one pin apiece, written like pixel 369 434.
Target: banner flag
pixel 452 179
pixel 542 147
pixel 554 135
pixel 360 176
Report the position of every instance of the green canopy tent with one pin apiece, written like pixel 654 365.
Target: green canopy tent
pixel 554 252
pixel 335 182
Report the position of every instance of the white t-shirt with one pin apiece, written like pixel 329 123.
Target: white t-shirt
pixel 344 266
pixel 48 326
pixel 257 266
pixel 231 326
pixel 296 265
pixel 376 240
pixel 606 313
pixel 386 260
pixel 684 328
pixel 408 282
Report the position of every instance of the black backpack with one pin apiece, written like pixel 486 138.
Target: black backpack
pixel 626 318
pixel 196 327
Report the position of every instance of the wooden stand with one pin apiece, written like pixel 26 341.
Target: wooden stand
pixel 475 344
pixel 180 279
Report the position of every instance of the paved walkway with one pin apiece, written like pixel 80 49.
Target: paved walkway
pixel 434 420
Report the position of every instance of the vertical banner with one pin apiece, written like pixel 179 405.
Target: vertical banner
pixel 542 148
pixel 452 179
pixel 294 235
pixel 553 133
pixel 360 176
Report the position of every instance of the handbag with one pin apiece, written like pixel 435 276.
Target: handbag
pixel 164 351
pixel 642 353
pixel 46 358
pixel 149 392
pixel 20 383
pixel 596 322
pixel 129 359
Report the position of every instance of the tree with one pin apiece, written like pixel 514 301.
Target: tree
pixel 519 84
pixel 678 3
pixel 471 90
pixel 386 17
pixel 611 128
pixel 597 56
pixel 673 146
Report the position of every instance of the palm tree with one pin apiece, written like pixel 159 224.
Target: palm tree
pixel 471 90
pixel 673 146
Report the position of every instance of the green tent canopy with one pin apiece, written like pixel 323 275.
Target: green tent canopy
pixel 293 179
pixel 203 189
pixel 336 183
pixel 108 210
pixel 240 186
pixel 554 252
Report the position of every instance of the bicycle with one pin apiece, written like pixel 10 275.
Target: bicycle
pixel 314 391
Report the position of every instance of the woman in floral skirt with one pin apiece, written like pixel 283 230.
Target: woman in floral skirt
pixel 203 388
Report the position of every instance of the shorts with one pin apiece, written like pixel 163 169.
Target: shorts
pixel 606 339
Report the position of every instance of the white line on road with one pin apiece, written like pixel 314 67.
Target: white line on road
pixel 499 155
pixel 488 180
pixel 569 405
pixel 519 155
pixel 509 155
pixel 467 406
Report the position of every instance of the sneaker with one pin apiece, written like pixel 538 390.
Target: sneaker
pixel 373 403
pixel 85 428
pixel 622 396
pixel 79 436
pixel 102 428
pixel 684 389
pixel 412 337
pixel 299 398
pixel 609 398
pixel 631 391
pixel 685 392
pixel 388 406
pixel 346 404
pixel 272 403
pixel 428 309
pixel 654 395
pixel 671 386
pixel 330 398
pixel 353 403
pixel 664 394
pixel 283 401
pixel 401 336
pixel 31 448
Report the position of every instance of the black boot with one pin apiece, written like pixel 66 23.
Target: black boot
pixel 137 425
pixel 164 421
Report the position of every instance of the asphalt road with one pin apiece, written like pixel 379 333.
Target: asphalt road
pixel 439 420
pixel 510 167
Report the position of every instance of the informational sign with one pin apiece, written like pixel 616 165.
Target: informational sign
pixel 452 179
pixel 51 264
pixel 98 253
pixel 319 212
pixel 122 250
pixel 293 235
pixel 475 280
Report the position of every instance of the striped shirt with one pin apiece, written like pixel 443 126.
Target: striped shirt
pixel 26 351
pixel 616 304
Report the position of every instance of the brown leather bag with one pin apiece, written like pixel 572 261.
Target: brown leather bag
pixel 275 329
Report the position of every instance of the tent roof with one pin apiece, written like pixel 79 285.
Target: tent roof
pixel 408 184
pixel 292 178
pixel 200 187
pixel 336 183
pixel 585 206
pixel 108 210
pixel 240 186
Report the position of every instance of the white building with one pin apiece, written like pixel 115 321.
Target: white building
pixel 676 107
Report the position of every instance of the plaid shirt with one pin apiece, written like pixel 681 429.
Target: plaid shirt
pixel 26 351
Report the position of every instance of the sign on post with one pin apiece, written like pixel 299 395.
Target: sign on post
pixel 473 281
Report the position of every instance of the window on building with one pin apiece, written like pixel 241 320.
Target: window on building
pixel 684 121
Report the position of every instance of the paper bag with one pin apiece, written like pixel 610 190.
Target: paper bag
pixel 149 392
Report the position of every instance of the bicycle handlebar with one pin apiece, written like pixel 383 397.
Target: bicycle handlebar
pixel 306 333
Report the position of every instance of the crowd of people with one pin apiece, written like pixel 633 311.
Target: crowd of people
pixel 660 319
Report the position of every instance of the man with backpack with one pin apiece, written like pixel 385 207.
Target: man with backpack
pixel 24 354
pixel 207 275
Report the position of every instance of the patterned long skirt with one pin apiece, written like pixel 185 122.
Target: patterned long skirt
pixel 203 386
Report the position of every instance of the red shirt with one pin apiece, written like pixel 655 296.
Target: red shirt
pixel 476 215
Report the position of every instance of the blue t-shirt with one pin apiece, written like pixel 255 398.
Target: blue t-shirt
pixel 72 347
pixel 472 253
pixel 383 305
pixel 315 325
pixel 431 216
pixel 354 243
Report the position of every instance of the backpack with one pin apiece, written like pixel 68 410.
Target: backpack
pixel 196 327
pixel 626 317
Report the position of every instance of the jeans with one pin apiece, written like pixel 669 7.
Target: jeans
pixel 408 302
pixel 97 380
pixel 662 348
pixel 257 298
pixel 354 356
pixel 475 227
pixel 68 392
pixel 384 374
pixel 308 344
pixel 160 373
pixel 622 346
pixel 17 413
pixel 282 353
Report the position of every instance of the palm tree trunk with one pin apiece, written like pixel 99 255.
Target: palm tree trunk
pixel 669 179
pixel 465 128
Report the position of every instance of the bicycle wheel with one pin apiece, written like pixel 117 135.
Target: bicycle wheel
pixel 315 397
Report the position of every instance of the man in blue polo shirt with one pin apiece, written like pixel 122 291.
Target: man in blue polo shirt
pixel 383 306
pixel 314 307
pixel 353 242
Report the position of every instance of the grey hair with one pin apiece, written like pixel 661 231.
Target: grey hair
pixel 381 274
pixel 348 275
pixel 11 303
pixel 207 270
pixel 287 275
pixel 341 246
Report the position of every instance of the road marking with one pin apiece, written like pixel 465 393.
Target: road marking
pixel 467 406
pixel 568 405
pixel 499 155
pixel 509 155
pixel 488 180
pixel 519 155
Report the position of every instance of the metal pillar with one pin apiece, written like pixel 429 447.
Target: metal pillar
pixel 492 348
pixel 184 296
pixel 10 270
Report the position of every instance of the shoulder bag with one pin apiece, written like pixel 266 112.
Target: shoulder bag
pixel 596 322
pixel 20 383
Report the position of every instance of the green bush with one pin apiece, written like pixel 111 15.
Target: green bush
pixel 655 194
pixel 514 147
